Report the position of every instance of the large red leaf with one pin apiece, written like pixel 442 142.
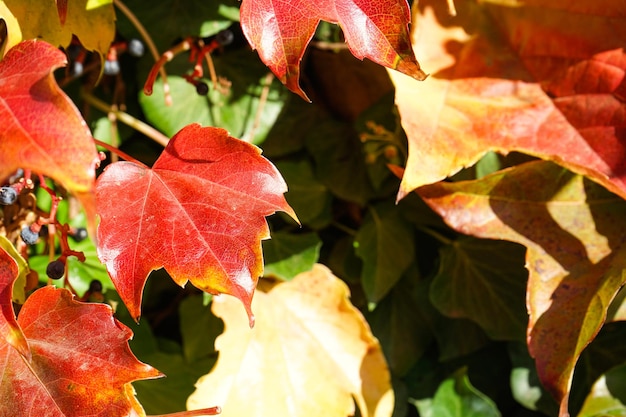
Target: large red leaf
pixel 41 128
pixel 541 77
pixel 575 233
pixel 281 30
pixel 199 212
pixel 77 360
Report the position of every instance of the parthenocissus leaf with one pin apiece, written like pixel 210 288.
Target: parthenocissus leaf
pixel 310 342
pixel 63 358
pixel 199 213
pixel 574 232
pixel 542 77
pixel 42 130
pixel 281 30
pixel 55 21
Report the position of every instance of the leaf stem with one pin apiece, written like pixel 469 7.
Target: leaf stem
pixel 193 413
pixel 438 236
pixel 151 46
pixel 127 119
pixel 119 153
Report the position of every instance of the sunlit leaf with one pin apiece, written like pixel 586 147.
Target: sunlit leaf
pixel 93 26
pixel 306 326
pixel 544 78
pixel 199 213
pixel 375 30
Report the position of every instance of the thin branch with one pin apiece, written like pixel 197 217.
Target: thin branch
pixel 127 119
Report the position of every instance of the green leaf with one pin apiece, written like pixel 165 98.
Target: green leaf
pixel 339 160
pixel 308 197
pixel 386 244
pixel 525 385
pixel 607 396
pixel 286 255
pixel 169 394
pixel 199 328
pixel 397 322
pixel 484 281
pixel 240 103
pixel 457 397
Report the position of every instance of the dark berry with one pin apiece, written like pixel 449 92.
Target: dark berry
pixel 55 269
pixel 225 37
pixel 95 286
pixel 29 236
pixel 80 234
pixel 111 67
pixel 8 195
pixel 202 88
pixel 136 48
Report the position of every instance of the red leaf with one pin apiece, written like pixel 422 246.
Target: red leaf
pixel 42 129
pixel 377 30
pixel 77 363
pixel 199 212
pixel 62 9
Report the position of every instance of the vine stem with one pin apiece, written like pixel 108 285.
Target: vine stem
pixel 127 119
pixel 151 46
pixel 119 153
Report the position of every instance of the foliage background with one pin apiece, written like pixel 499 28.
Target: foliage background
pixel 448 309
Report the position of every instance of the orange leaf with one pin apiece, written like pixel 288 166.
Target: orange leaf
pixel 310 342
pixel 199 212
pixel 42 129
pixel 377 30
pixel 72 358
pixel 574 231
pixel 544 78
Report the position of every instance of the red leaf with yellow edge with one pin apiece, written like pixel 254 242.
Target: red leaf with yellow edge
pixel 377 30
pixel 9 329
pixel 42 130
pixel 542 77
pixel 575 233
pixel 72 358
pixel 199 212
pixel 310 342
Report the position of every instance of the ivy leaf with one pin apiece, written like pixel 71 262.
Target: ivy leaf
pixel 199 213
pixel 42 129
pixel 457 397
pixel 306 326
pixel 574 232
pixel 484 281
pixel 386 244
pixel 375 30
pixel 516 77
pixel 56 22
pixel 83 364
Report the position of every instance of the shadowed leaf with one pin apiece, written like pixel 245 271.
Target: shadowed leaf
pixel 574 232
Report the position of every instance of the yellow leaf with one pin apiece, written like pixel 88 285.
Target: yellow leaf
pixel 19 295
pixel 14 33
pixel 93 26
pixel 310 353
